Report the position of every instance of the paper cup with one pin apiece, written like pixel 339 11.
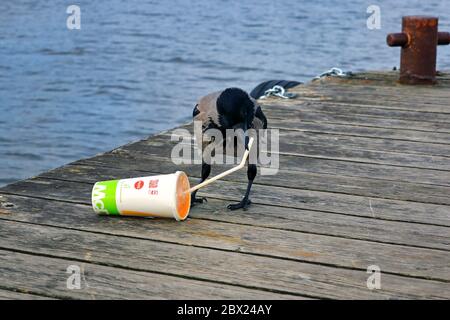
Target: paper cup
pixel 155 196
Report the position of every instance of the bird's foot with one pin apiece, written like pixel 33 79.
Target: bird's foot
pixel 243 204
pixel 195 200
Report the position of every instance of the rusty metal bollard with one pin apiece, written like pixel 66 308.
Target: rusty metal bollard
pixel 419 39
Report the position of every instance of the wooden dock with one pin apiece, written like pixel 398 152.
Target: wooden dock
pixel 364 180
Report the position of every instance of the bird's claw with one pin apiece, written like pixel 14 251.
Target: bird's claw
pixel 195 200
pixel 240 205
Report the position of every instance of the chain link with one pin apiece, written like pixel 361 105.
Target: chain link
pixel 334 72
pixel 278 91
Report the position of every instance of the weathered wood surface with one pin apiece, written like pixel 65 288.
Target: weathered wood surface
pixel 47 276
pixel 267 240
pixel 13 295
pixel 363 180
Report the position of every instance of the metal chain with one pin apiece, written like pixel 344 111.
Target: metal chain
pixel 333 72
pixel 278 91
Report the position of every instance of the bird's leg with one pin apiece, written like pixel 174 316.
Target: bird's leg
pixel 206 170
pixel 245 202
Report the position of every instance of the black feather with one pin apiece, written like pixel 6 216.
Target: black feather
pixel 195 111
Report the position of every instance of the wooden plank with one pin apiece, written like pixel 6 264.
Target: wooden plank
pixel 368 121
pixel 14 295
pixel 361 131
pixel 333 202
pixel 384 78
pixel 371 111
pixel 144 151
pixel 381 105
pixel 329 149
pixel 414 95
pixel 291 138
pixel 295 246
pixel 395 210
pixel 322 223
pixel 93 171
pixel 415 98
pixel 211 265
pixel 156 149
pixel 410 234
pixel 294 135
pixel 371 144
pixel 391 78
pixel 382 102
pixel 48 276
pixel 377 95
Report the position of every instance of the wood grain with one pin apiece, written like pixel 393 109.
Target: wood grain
pixel 212 265
pixel 48 276
pixel 248 239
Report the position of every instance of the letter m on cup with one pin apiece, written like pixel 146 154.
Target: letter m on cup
pixel 98 194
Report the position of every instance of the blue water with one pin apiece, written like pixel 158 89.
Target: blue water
pixel 137 68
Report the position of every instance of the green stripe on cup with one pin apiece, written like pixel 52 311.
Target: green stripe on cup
pixel 104 197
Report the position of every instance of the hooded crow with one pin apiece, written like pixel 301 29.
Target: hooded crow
pixel 232 108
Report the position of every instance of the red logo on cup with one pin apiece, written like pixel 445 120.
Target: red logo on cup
pixel 139 184
pixel 153 183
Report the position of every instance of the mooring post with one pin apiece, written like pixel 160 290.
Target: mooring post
pixel 419 40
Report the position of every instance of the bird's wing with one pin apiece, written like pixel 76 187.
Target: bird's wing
pixel 207 109
pixel 206 112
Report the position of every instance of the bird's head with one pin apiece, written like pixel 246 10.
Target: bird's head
pixel 235 107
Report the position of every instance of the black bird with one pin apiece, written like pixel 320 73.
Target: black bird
pixel 232 108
